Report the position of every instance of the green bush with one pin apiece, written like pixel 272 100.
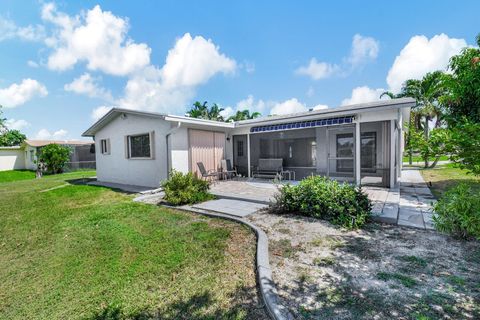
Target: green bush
pixel 186 188
pixel 54 157
pixel 458 212
pixel 320 197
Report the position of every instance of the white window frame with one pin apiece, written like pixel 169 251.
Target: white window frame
pixel 128 144
pixel 105 150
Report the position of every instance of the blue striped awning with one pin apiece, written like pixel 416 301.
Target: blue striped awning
pixel 303 124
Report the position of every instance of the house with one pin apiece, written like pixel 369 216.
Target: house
pixel 360 143
pixel 25 156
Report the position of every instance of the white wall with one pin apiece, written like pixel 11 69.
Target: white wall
pixel 29 164
pixel 116 167
pixel 12 159
pixel 178 145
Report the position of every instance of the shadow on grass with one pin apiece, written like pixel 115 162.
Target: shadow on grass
pixel 198 306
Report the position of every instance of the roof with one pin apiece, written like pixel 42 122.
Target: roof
pixel 10 147
pixel 41 143
pixel 343 110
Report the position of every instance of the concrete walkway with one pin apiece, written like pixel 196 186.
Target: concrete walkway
pixel 231 207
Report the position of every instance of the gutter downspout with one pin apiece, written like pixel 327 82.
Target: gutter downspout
pixel 169 156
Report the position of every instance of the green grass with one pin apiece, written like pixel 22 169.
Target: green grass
pixel 448 176
pixel 407 281
pixel 420 159
pixel 16 175
pixel 85 252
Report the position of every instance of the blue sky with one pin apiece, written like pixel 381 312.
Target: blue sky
pixel 62 65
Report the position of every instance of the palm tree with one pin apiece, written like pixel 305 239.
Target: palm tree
pixel 202 111
pixel 244 115
pixel 426 93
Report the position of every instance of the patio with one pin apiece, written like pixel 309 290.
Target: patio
pixel 407 205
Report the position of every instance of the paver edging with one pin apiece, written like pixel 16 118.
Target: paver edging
pixel 264 273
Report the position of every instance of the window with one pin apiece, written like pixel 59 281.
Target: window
pixel 105 146
pixel 139 146
pixel 369 150
pixel 239 148
pixel 32 155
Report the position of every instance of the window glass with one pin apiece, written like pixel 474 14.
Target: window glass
pixel 140 146
pixel 345 145
pixel 240 148
pixel 104 146
pixel 368 150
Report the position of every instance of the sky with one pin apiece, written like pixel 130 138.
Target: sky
pixel 65 64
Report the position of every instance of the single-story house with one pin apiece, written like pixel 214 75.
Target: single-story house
pixel 25 156
pixel 361 143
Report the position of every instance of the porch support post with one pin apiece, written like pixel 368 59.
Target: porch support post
pixel 357 153
pixel 248 155
pixel 392 153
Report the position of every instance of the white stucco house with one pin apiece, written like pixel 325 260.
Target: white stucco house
pixel 24 157
pixel 360 143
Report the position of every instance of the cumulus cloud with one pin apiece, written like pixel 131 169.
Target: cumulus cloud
pixel 10 30
pixel 288 106
pixel 249 103
pixel 14 124
pixel 364 49
pixel 190 63
pixel 318 70
pixel 422 55
pixel 32 64
pixel 99 112
pixel 44 134
pixel 18 94
pixel 88 85
pixel 97 37
pixel 363 94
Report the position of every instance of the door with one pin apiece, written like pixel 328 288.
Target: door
pixel 207 147
pixel 240 154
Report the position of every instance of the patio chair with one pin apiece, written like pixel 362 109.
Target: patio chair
pixel 227 169
pixel 269 168
pixel 207 174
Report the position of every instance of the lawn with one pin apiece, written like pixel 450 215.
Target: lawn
pixel 71 251
pixel 419 159
pixel 444 177
pixel 15 175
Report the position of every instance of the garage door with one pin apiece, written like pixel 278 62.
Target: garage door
pixel 207 147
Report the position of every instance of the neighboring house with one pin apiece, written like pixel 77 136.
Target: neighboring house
pixel 360 143
pixel 25 156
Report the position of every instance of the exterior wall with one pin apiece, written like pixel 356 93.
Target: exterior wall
pixel 29 164
pixel 178 147
pixel 12 159
pixel 116 167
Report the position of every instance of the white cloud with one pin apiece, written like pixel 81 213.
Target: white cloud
pixel 97 37
pixel 193 61
pixel 190 63
pixel 318 70
pixel 310 92
pixel 363 49
pixel 9 30
pixel 288 106
pixel 99 112
pixel 18 94
pixel 88 85
pixel 32 64
pixel 363 94
pixel 13 124
pixel 320 107
pixel 44 134
pixel 422 55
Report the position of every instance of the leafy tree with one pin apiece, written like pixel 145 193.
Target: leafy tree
pixel 202 111
pixel 244 115
pixel 3 128
pixel 463 98
pixel 12 138
pixel 54 157
pixel 466 145
pixel 427 93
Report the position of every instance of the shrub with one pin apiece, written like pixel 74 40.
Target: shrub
pixel 54 157
pixel 458 212
pixel 186 188
pixel 320 197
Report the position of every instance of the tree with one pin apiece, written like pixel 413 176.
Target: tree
pixel 244 115
pixel 3 127
pixel 463 98
pixel 54 157
pixel 427 93
pixel 12 138
pixel 202 111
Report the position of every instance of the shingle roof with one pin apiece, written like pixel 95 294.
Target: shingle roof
pixel 41 143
